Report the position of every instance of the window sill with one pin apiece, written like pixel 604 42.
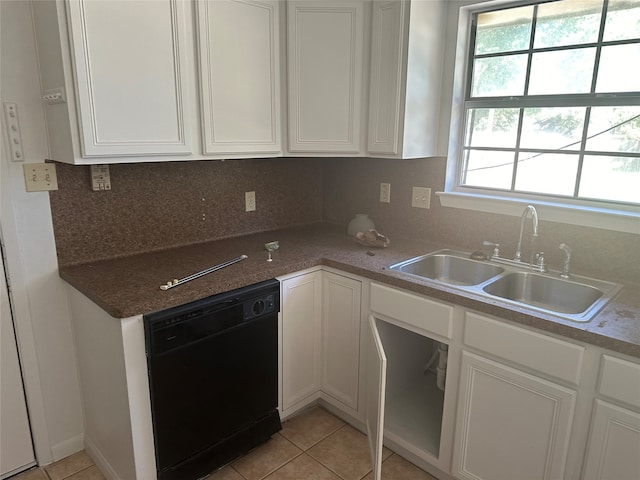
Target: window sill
pixel 617 220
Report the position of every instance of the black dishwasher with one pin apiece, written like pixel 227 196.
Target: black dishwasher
pixel 213 378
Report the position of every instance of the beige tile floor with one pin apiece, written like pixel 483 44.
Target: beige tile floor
pixel 78 466
pixel 314 445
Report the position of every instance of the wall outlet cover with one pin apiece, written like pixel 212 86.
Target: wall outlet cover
pixel 421 197
pixel 100 177
pixel 249 201
pixel 385 192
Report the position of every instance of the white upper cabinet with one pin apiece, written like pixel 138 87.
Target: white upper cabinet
pixel 406 69
pixel 130 72
pixel 131 77
pixel 162 80
pixel 239 59
pixel 325 55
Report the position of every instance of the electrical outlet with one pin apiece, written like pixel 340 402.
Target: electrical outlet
pixel 100 178
pixel 421 197
pixel 40 177
pixel 249 201
pixel 385 192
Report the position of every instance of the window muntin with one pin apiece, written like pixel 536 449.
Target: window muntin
pixel 553 102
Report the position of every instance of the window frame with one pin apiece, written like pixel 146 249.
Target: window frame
pixel 593 213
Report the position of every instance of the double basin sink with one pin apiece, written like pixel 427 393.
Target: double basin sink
pixel 576 298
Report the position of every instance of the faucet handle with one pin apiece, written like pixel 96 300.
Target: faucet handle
pixel 496 247
pixel 541 262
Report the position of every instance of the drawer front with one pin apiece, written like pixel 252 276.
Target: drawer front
pixel 420 312
pixel 547 355
pixel 620 380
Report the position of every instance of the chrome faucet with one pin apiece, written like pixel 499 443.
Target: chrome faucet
pixel 534 218
pixel 567 258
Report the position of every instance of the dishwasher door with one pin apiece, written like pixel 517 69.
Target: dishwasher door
pixel 213 375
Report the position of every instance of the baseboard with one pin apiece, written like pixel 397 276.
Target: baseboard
pixel 68 447
pixel 101 462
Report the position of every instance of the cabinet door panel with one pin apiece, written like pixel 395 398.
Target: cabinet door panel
pixel 131 76
pixel 510 424
pixel 614 449
pixel 239 75
pixel 341 338
pixel 301 323
pixel 386 77
pixel 325 60
pixel 376 375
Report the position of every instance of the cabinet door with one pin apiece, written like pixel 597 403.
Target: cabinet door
pixel 341 338
pixel 376 376
pixel 614 448
pixel 510 424
pixel 325 63
pixel 239 56
pixel 131 76
pixel 301 333
pixel 385 102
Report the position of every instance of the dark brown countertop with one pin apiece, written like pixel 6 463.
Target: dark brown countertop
pixel 130 286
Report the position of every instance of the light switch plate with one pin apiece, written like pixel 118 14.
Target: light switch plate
pixel 40 177
pixel 421 197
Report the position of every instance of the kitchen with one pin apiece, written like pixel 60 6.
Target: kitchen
pixel 289 192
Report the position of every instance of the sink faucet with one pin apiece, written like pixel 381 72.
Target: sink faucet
pixel 567 258
pixel 530 209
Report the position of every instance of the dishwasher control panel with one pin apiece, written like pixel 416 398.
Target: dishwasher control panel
pixel 259 306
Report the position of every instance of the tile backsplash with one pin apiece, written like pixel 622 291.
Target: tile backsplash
pixel 159 205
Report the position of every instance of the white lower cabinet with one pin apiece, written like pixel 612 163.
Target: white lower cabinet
pixel 510 424
pixel 341 339
pixel 614 451
pixel 614 445
pixel 406 371
pixel 301 332
pixel 515 410
pixel 320 341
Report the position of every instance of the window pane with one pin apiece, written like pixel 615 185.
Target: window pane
pixel 623 20
pixel 499 76
pixel 611 178
pixel 553 128
pixel 567 23
pixel 504 31
pixel 554 174
pixel 614 129
pixel 492 127
pixel 613 72
pixel 489 169
pixel 549 72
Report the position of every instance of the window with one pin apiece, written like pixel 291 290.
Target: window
pixel 551 103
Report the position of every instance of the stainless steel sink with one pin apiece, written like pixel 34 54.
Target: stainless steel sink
pixel 577 298
pixel 450 267
pixel 546 292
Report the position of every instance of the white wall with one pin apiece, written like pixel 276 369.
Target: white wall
pixel 40 297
